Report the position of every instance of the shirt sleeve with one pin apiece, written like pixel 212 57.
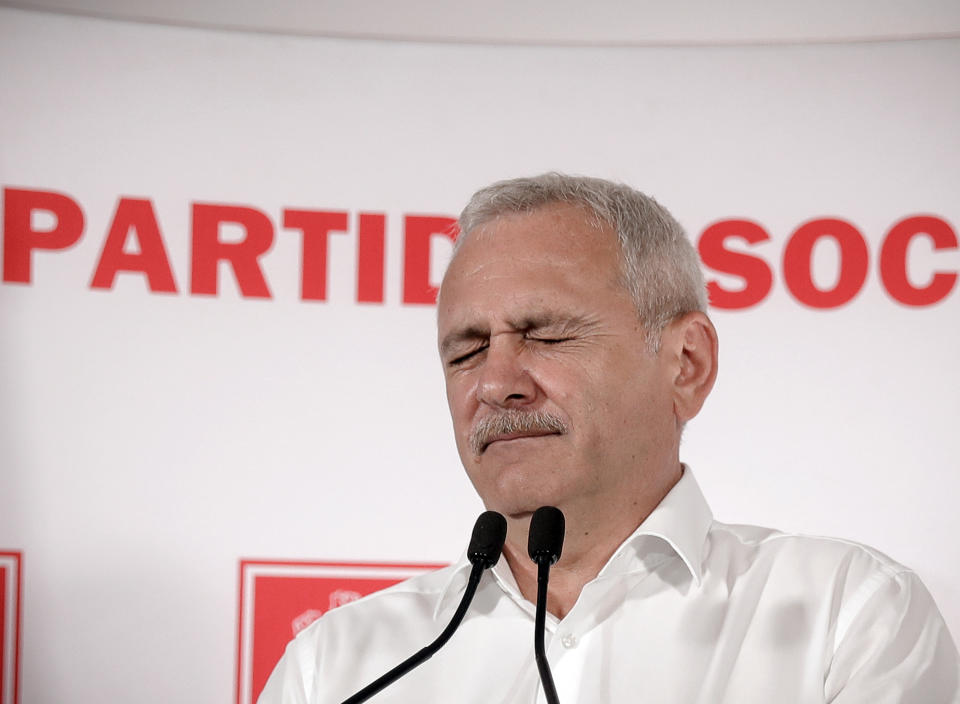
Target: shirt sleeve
pixel 893 647
pixel 292 678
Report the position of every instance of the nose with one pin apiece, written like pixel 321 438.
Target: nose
pixel 505 381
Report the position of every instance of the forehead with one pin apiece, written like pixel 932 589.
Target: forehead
pixel 553 235
pixel 542 259
pixel 576 224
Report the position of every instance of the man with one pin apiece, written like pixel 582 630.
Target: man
pixel 575 344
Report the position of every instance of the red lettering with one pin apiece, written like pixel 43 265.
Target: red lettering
pixel 854 259
pixel 418 231
pixel 135 215
pixel 893 260
pixel 316 227
pixel 243 256
pixel 370 249
pixel 756 274
pixel 19 237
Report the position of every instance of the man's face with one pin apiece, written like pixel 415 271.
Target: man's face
pixel 554 396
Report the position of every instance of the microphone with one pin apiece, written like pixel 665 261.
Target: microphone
pixel 544 545
pixel 486 543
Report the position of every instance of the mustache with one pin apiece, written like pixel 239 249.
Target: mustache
pixel 510 421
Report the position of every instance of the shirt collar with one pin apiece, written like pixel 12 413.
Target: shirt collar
pixel 681 520
pixel 452 591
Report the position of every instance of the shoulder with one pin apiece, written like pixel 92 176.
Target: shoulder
pixel 407 607
pixel 834 575
pixel 736 543
pixel 385 626
pixel 411 599
pixel 845 582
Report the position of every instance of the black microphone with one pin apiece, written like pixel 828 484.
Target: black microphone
pixel 486 543
pixel 544 546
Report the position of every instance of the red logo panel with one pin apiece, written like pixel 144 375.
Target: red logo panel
pixel 279 599
pixel 10 627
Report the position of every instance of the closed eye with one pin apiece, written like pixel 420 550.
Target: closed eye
pixel 465 357
pixel 550 340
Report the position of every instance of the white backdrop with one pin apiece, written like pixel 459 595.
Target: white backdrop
pixel 149 441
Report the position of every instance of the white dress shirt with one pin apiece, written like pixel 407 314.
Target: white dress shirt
pixel 687 610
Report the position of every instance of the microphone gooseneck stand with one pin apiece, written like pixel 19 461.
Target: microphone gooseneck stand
pixel 486 543
pixel 544 546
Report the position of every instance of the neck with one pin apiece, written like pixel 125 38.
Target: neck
pixel 592 538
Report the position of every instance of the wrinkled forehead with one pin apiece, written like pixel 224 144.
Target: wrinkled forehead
pixel 542 254
pixel 545 228
pixel 475 225
pixel 559 235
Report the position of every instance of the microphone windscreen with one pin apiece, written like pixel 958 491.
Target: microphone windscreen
pixel 546 534
pixel 486 543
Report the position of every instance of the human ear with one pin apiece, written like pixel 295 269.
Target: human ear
pixel 692 340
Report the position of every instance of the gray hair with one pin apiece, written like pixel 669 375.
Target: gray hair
pixel 660 267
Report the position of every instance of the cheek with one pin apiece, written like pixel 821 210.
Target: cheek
pixel 461 400
pixel 583 386
pixel 619 393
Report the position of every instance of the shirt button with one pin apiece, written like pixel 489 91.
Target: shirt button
pixel 568 640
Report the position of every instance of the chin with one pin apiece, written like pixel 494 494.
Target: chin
pixel 517 488
pixel 519 504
